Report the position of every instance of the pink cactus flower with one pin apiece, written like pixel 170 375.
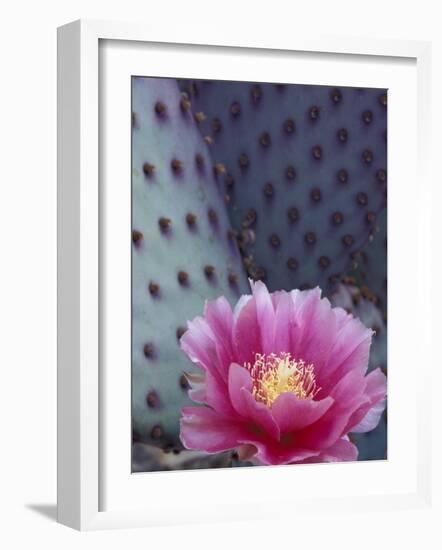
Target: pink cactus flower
pixel 283 379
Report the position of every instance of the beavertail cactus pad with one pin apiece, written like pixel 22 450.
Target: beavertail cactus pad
pixel 306 171
pixel 182 252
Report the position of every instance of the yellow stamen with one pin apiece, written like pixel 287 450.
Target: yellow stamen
pixel 276 374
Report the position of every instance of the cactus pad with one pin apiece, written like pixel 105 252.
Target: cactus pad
pixel 305 173
pixel 182 252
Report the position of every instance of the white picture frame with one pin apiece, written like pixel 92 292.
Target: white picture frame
pixel 81 441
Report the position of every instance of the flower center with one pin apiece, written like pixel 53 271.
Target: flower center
pixel 275 374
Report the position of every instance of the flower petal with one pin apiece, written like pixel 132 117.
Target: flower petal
pixel 342 451
pixel 217 395
pixel 246 334
pixel 303 304
pixel 246 451
pixel 265 314
pixel 320 332
pixel 198 344
pixel 204 429
pixel 244 299
pixel 293 454
pixel 197 390
pixel 219 317
pixel 349 353
pixel 348 396
pixel 276 296
pixel 371 419
pixel 292 413
pixel 376 391
pixel 342 317
pixel 284 319
pixel 239 378
pixel 240 385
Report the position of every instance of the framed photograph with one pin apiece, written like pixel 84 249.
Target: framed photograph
pixel 232 272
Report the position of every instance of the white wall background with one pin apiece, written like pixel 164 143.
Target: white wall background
pixel 28 264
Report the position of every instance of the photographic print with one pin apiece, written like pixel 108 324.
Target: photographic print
pixel 259 274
